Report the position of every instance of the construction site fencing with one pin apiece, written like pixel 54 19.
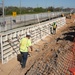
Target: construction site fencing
pixel 9 40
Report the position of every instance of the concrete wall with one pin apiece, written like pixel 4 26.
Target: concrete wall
pixel 10 39
pixel 23 20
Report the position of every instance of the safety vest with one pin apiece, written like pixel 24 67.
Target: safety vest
pixel 54 26
pixel 24 44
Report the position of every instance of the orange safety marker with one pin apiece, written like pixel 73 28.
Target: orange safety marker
pixel 72 70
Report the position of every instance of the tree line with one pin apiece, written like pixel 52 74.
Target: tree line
pixel 30 10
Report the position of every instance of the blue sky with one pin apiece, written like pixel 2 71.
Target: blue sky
pixel 40 3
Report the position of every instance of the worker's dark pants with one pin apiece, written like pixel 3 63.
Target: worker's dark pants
pixel 54 30
pixel 24 58
pixel 51 30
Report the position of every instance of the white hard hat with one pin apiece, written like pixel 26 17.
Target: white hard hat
pixel 28 34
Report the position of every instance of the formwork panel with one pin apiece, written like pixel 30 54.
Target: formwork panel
pixel 10 40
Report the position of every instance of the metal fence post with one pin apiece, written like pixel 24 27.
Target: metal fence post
pixel 1 50
pixel 10 23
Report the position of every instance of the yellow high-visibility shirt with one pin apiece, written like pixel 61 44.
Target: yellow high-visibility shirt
pixel 24 44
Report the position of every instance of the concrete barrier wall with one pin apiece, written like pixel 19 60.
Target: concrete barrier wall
pixel 10 39
pixel 23 20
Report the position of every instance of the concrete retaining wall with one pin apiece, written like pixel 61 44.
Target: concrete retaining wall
pixel 10 39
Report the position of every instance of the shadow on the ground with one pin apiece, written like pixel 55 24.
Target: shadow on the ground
pixel 69 36
pixel 72 28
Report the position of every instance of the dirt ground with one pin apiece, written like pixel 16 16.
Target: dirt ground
pixel 44 49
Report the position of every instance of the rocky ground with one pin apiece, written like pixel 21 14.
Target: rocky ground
pixel 53 55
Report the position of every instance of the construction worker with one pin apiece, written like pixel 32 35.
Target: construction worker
pixel 70 15
pixel 24 44
pixel 54 27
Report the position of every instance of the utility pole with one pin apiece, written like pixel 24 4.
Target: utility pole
pixel 3 10
pixel 20 10
pixel 3 16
